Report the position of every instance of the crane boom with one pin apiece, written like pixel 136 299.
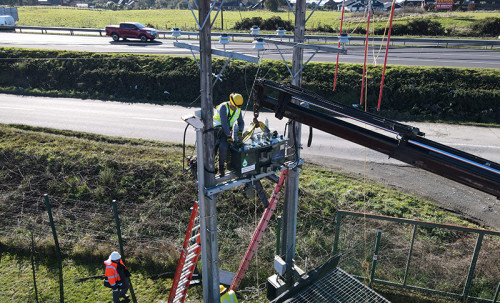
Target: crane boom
pixel 399 141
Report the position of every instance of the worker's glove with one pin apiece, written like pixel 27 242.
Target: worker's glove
pixel 230 140
pixel 240 135
pixel 114 287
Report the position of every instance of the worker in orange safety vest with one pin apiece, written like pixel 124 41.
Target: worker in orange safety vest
pixel 116 277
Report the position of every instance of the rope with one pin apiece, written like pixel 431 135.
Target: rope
pixel 253 84
pixel 359 23
pixel 256 223
pixel 340 33
pixel 366 51
pixel 386 53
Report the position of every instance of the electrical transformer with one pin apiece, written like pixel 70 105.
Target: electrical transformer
pixel 263 153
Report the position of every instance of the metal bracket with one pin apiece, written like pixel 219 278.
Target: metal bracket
pixel 290 6
pixel 312 12
pixel 200 27
pixel 217 78
pixel 316 49
pixel 225 185
pixel 231 55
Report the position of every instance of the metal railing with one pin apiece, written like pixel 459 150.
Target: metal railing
pixel 319 38
pixel 464 297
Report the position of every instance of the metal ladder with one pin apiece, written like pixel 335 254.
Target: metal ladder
pixel 259 231
pixel 191 250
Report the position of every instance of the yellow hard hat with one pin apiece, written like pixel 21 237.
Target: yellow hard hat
pixel 222 288
pixel 236 99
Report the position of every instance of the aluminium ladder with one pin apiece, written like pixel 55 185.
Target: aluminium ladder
pixel 191 250
pixel 259 231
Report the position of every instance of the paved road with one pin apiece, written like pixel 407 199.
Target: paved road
pixel 163 123
pixel 424 56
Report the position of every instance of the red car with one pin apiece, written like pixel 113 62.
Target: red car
pixel 131 30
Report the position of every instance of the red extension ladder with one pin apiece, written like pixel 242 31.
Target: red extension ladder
pixel 259 231
pixel 191 250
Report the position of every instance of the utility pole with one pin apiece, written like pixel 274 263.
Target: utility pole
pixel 208 211
pixel 294 131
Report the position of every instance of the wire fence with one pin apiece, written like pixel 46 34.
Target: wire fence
pixel 445 260
pixel 86 226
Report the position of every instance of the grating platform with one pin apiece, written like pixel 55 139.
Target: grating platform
pixel 339 287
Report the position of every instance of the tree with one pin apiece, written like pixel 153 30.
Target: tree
pixel 271 5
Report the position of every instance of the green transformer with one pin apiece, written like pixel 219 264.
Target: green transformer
pixel 265 153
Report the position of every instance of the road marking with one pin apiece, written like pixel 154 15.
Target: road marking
pixel 163 120
pixel 18 108
pixel 470 145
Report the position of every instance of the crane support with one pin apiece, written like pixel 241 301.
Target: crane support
pixel 399 141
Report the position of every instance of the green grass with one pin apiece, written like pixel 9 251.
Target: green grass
pixel 167 19
pixel 82 173
pixel 17 282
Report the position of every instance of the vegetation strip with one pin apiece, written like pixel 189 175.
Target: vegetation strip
pixel 410 93
pixel 83 173
pixel 407 21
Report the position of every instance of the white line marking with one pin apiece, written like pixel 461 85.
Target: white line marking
pixel 17 108
pixel 471 145
pixel 163 120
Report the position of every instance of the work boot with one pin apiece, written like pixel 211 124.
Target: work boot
pixel 222 171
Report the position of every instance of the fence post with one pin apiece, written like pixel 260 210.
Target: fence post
pixel 33 265
pixel 472 267
pixel 375 257
pixel 409 253
pixel 58 251
pixel 337 233
pixel 119 233
pixel 278 236
pixel 496 293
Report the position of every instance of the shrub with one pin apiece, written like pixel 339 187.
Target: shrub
pixel 325 28
pixel 425 27
pixel 247 23
pixel 276 22
pixel 272 23
pixel 421 27
pixel 489 27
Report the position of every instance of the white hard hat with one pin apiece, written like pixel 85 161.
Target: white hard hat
pixel 115 256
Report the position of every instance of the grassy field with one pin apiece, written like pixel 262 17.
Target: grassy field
pixel 167 19
pixel 83 172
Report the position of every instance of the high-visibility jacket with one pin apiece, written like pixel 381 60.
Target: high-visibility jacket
pixel 111 273
pixel 229 297
pixel 232 115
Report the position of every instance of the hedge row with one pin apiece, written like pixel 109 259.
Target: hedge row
pixel 410 93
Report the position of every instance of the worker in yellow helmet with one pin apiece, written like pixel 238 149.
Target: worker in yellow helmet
pixel 227 297
pixel 226 114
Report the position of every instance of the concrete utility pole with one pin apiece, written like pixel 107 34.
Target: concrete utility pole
pixel 292 182
pixel 208 213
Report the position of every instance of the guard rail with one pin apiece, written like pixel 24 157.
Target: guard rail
pixel 320 38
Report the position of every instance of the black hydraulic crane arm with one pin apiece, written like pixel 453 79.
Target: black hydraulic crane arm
pixel 404 142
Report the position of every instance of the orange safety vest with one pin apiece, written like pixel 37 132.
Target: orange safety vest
pixel 111 272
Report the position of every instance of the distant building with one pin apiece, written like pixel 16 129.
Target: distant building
pixel 414 3
pixel 361 5
pixel 388 5
pixel 354 6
